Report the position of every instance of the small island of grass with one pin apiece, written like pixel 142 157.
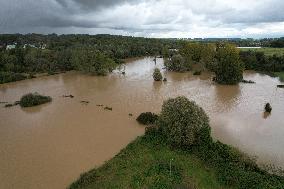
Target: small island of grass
pixel 34 99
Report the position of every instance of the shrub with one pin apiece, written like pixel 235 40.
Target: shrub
pixel 157 76
pixel 8 105
pixel 268 107
pixel 34 99
pixel 147 118
pixel 183 122
pixel 108 108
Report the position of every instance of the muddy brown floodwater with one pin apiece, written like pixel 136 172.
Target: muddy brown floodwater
pixel 50 145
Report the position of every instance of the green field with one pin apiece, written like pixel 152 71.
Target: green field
pixel 148 163
pixel 267 51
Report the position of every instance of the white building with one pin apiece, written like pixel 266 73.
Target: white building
pixel 9 47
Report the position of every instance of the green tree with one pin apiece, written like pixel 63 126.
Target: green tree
pixel 178 63
pixel 229 68
pixel 165 52
pixel 92 62
pixel 207 59
pixel 183 122
pixel 191 51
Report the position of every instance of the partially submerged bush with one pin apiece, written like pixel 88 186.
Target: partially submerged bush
pixel 197 73
pixel 247 81
pixel 147 118
pixel 183 122
pixel 34 99
pixel 157 76
pixel 8 105
pixel 268 108
pixel 108 108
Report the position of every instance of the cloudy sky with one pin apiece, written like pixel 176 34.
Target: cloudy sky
pixel 148 18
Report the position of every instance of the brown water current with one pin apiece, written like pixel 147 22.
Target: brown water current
pixel 48 146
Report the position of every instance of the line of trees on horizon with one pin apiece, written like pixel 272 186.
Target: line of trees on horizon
pixel 100 54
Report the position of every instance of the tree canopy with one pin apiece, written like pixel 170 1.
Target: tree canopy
pixel 229 68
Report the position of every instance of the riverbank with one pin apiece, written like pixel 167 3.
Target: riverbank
pixel 9 77
pixel 149 162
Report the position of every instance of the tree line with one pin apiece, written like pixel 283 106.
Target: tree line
pixel 224 59
pixel 96 54
pixel 260 62
pixel 100 54
pixel 221 58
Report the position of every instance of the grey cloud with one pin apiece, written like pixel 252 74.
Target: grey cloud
pixel 265 12
pixel 141 17
pixel 94 4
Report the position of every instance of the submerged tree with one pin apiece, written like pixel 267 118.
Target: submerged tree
pixel 157 75
pixel 229 68
pixel 92 62
pixel 178 64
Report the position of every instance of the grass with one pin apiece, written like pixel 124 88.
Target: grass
pixel 267 51
pixel 280 75
pixel 149 163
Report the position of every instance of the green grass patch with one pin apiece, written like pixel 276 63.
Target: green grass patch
pixel 149 163
pixel 267 51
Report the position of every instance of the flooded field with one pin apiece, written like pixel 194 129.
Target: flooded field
pixel 50 145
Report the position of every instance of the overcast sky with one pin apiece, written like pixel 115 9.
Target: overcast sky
pixel 148 18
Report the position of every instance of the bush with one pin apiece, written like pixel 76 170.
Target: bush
pixel 147 118
pixel 157 76
pixel 34 99
pixel 183 122
pixel 268 108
